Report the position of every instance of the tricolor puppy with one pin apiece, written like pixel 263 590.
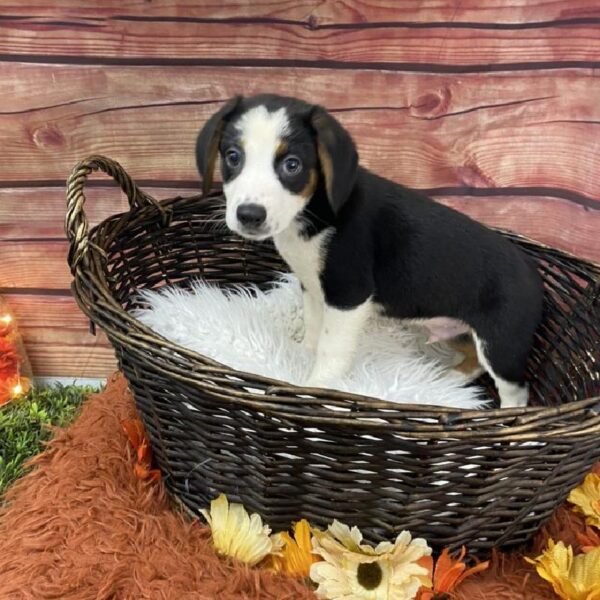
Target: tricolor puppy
pixel 360 243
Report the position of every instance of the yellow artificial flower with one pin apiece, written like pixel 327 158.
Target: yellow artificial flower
pixel 237 534
pixel 572 577
pixel 296 555
pixel 586 499
pixel 351 570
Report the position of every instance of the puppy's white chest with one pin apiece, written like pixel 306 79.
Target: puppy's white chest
pixel 304 257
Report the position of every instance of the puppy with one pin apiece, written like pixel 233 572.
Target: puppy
pixel 360 243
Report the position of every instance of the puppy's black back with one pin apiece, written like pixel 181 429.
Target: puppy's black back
pixel 420 259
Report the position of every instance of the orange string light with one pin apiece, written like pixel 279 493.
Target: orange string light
pixel 15 375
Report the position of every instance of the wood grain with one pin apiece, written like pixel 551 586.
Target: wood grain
pixel 401 47
pixel 428 131
pixel 57 338
pixel 39 213
pixel 34 264
pixel 314 13
pixel 551 221
pixel 60 359
pixel 48 311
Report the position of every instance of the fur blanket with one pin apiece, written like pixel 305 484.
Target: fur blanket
pixel 260 332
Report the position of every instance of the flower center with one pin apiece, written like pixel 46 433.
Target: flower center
pixel 369 575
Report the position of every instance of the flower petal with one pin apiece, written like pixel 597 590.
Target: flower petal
pixel 333 583
pixel 350 538
pixel 296 553
pixel 478 568
pixel 303 535
pixel 585 572
pixel 235 533
pixel 586 498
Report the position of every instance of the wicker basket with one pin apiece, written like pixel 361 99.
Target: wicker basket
pixel 480 478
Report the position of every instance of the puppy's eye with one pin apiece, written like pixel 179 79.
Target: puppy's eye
pixel 233 157
pixel 291 165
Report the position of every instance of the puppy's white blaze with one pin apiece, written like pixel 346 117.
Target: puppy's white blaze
pixel 340 331
pixel 511 394
pixel 261 128
pixel 261 132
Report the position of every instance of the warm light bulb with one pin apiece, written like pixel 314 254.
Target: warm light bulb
pixel 6 319
pixel 17 389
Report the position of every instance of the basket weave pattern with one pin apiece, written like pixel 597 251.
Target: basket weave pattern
pixel 480 478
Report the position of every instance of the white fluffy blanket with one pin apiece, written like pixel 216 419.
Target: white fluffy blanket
pixel 260 332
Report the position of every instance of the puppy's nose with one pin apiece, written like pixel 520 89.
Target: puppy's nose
pixel 251 215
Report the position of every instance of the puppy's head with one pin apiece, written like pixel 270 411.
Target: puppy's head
pixel 274 152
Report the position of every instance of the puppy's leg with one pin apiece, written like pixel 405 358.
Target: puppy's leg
pixel 340 331
pixel 313 316
pixel 505 364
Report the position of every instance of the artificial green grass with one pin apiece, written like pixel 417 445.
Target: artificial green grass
pixel 24 425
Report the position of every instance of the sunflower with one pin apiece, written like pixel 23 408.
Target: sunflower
pixel 296 556
pixel 353 570
pixel 586 499
pixel 572 577
pixel 237 534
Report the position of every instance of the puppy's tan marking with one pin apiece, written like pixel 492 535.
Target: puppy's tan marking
pixel 311 185
pixel 281 149
pixel 326 167
pixel 466 346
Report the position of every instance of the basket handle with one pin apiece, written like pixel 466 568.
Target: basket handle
pixel 76 222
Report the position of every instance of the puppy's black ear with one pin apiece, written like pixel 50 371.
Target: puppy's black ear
pixel 207 144
pixel 337 155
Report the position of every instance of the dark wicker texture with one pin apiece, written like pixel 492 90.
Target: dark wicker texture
pixel 480 478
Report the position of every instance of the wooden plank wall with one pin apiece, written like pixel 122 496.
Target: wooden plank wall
pixel 492 107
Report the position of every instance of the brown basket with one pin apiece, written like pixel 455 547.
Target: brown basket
pixel 479 478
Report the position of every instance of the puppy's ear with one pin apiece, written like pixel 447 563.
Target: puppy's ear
pixel 207 144
pixel 337 155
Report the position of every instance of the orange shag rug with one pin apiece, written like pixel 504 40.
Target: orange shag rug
pixel 81 525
